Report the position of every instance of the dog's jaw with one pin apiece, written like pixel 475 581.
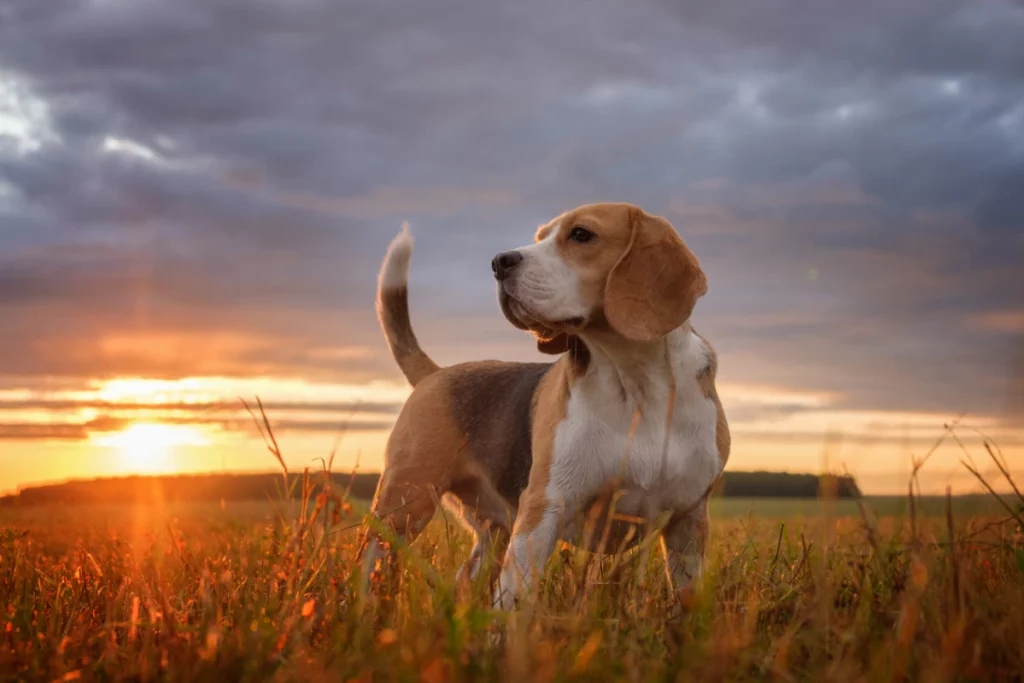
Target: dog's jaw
pixel 524 319
pixel 506 303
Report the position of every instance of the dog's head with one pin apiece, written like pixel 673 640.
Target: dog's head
pixel 600 264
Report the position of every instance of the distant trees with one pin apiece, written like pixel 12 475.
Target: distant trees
pixel 785 485
pixel 237 487
pixel 179 488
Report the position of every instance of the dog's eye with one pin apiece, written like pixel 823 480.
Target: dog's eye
pixel 579 234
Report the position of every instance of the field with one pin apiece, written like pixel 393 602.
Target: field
pixel 794 590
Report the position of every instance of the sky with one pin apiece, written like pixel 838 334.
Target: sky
pixel 195 196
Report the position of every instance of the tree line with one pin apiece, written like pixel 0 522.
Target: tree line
pixel 243 487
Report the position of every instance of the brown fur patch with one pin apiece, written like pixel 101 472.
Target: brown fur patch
pixel 393 313
pixel 577 349
pixel 593 261
pixel 655 285
pixel 549 410
pixel 706 380
pixel 425 453
pixel 465 430
pixel 545 230
pixel 491 402
pixel 554 346
pixel 579 356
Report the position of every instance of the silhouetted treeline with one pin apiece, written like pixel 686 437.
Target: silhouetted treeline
pixel 183 488
pixel 239 487
pixel 785 485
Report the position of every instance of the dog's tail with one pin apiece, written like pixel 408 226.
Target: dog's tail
pixel 393 310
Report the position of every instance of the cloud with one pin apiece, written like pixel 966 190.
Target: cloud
pixel 208 187
pixel 81 432
pixel 1001 321
pixel 27 416
pixel 47 432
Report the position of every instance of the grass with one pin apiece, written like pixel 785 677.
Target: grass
pixel 879 506
pixel 908 589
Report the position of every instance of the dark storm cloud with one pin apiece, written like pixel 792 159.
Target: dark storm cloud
pixel 919 37
pixel 849 174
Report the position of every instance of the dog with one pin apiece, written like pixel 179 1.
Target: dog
pixel 624 426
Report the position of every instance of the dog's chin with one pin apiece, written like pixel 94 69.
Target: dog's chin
pixel 509 308
pixel 524 319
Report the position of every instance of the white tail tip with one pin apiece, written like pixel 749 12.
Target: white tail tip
pixel 394 272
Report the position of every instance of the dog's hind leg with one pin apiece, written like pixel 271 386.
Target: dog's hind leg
pixel 422 459
pixel 488 517
pixel 402 509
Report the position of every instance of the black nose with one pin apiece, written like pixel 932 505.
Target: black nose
pixel 504 262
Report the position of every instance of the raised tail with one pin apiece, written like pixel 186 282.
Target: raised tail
pixel 393 310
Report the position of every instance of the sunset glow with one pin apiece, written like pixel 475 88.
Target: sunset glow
pixel 171 248
pixel 145 448
pixel 152 391
pixel 139 425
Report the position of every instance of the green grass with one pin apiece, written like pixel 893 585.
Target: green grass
pixel 795 590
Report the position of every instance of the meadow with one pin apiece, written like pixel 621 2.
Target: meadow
pixel 883 589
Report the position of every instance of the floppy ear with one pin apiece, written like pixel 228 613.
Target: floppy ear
pixel 655 284
pixel 556 345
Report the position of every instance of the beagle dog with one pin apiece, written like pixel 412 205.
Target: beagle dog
pixel 624 427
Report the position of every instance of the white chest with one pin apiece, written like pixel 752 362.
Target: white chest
pixel 662 462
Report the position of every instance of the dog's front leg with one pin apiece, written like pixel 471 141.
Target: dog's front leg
pixel 534 535
pixel 683 542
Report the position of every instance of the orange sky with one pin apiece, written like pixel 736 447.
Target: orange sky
pixel 198 425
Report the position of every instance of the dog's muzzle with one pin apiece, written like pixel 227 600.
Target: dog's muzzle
pixel 504 263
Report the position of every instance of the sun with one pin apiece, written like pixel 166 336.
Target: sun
pixel 150 448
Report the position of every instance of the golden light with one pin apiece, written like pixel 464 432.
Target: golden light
pixel 151 391
pixel 150 448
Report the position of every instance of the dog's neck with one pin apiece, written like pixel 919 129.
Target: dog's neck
pixel 645 371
